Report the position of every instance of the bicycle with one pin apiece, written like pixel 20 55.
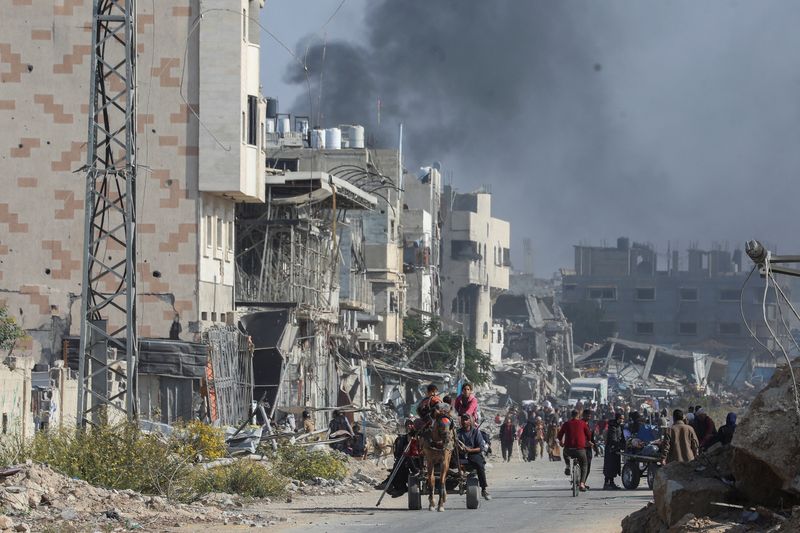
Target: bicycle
pixel 575 474
pixel 576 477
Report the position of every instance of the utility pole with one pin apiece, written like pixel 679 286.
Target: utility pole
pixel 108 299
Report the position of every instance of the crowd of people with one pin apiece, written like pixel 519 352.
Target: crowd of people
pixel 549 431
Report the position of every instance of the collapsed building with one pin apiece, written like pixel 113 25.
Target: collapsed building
pixel 631 365
pixel 535 332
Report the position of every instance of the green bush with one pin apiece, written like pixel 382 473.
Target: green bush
pixel 243 477
pixel 297 462
pixel 115 457
pixel 196 439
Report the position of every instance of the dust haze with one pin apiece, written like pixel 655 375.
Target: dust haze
pixel 663 121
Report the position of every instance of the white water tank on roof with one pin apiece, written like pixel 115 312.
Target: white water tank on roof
pixel 317 138
pixel 333 139
pixel 270 125
pixel 284 125
pixel 303 126
pixel 354 134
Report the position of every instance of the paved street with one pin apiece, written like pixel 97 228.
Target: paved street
pixel 527 497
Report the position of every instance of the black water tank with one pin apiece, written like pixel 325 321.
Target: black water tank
pixel 623 243
pixel 272 107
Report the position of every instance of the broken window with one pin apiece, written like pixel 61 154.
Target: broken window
pixel 687 328
pixel 292 165
pixel 485 330
pixel 506 257
pixel 252 120
pixel 646 293
pixel 645 328
pixel 730 328
pixel 729 295
pixel 688 294
pixel 602 293
pixel 465 250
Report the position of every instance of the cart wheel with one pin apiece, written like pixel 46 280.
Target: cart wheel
pixel 652 470
pixel 630 475
pixel 473 493
pixel 414 496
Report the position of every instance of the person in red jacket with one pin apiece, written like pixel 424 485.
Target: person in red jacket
pixel 573 436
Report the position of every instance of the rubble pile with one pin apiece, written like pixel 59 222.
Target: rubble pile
pixel 751 485
pixel 767 445
pixel 34 493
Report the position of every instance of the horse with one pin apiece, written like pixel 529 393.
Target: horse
pixel 438 447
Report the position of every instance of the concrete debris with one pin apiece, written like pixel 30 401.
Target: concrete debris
pixel 745 486
pixel 37 494
pixel 766 447
pixel 680 489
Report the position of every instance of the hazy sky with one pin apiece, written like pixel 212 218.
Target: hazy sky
pixel 662 121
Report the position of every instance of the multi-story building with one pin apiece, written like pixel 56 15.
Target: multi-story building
pixel 476 261
pixel 377 172
pixel 422 238
pixel 698 307
pixel 190 65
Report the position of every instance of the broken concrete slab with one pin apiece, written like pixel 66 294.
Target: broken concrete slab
pixel 766 445
pixel 680 489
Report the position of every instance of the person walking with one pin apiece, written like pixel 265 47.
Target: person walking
pixel 526 442
pixel 680 443
pixel 508 434
pixel 615 443
pixel 539 438
pixel 586 416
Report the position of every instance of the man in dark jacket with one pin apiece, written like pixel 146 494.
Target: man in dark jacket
pixel 471 444
pixel 615 443
pixel 725 433
pixel 705 428
pixel 680 443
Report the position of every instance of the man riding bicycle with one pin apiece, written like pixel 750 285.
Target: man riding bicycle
pixel 573 436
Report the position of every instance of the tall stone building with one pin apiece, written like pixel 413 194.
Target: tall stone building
pixel 190 173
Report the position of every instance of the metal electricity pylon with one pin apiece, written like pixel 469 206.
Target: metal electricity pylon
pixel 108 348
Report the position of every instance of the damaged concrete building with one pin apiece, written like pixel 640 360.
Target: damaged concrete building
pixel 693 303
pixel 273 260
pixel 536 334
pixel 190 180
pixel 632 364
pixel 476 261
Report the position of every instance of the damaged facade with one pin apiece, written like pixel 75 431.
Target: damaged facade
pixel 536 335
pixel 284 257
pixel 696 307
pixel 476 262
pixel 190 180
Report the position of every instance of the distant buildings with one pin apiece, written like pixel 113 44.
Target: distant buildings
pixel 695 308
